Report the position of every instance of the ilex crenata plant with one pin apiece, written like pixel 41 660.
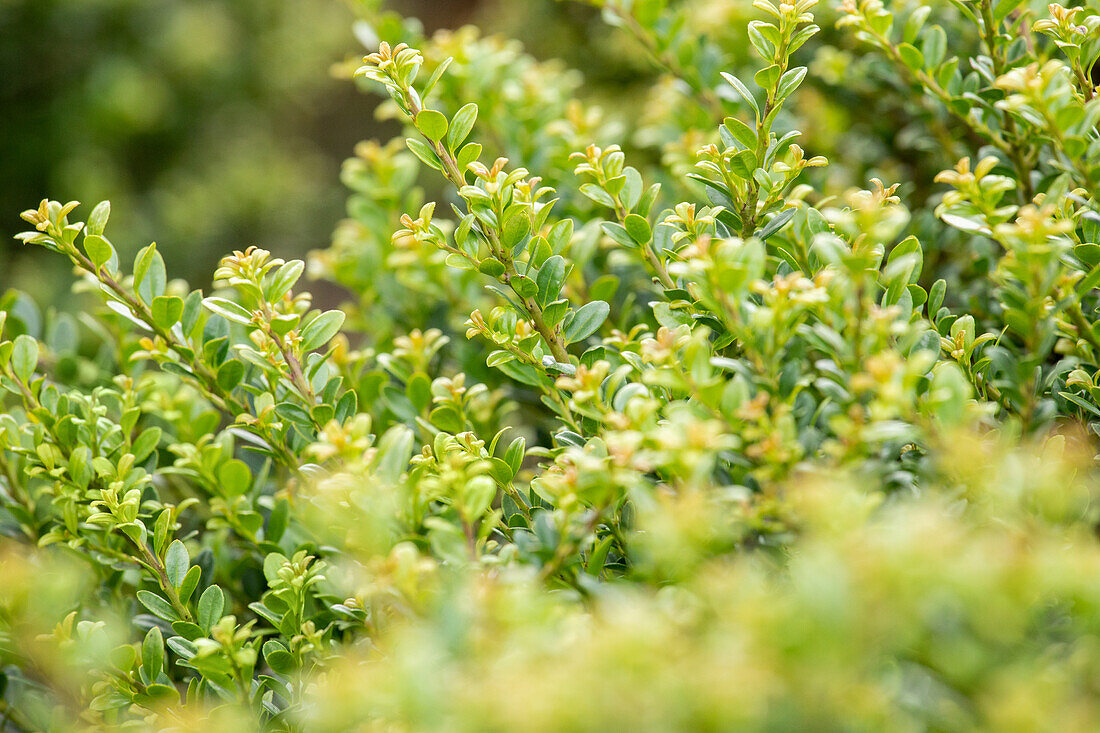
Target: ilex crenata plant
pixel 685 414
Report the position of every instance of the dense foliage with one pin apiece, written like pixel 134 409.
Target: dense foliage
pixel 650 422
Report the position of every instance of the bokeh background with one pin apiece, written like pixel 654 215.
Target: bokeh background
pixel 209 124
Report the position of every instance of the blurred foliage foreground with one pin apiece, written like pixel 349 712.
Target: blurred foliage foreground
pixel 688 434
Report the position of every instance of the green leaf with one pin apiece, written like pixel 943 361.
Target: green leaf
pixel 513 456
pixel 767 77
pixel 777 222
pixel 211 605
pixel 97 220
pixel 935 296
pixel 142 262
pixel 514 230
pixel 491 267
pixel 603 287
pixel 188 631
pixel 910 56
pixel 99 250
pixel 915 22
pixel 744 164
pixel 934 46
pixel 789 82
pixel 1004 8
pixel 166 310
pixel 284 279
pixel 631 194
pixel 158 606
pixel 1080 402
pixel 499 357
pixel 234 477
pixel 192 309
pixel 436 76
pixel 176 562
pixel 228 310
pixel 586 320
pixel 743 91
pixel 24 357
pixel 550 279
pixel 638 228
pixel 460 126
pixel 273 561
pixel 598 556
pixel 597 194
pixel 278 658
pixel 618 232
pixel 317 332
pixel 764 38
pixel 295 414
pixel 1088 253
pixel 524 286
pixel 189 583
pixel 145 444
pixel 394 450
pixel 426 154
pixel 906 261
pixel 447 419
pixel 964 223
pixel 230 374
pixel 284 323
pixel 155 280
pixel 152 653
pixel 432 123
pixel 1088 282
pixel 136 531
pixel 122 658
pixel 469 153
pixel 741 132
pixel 555 312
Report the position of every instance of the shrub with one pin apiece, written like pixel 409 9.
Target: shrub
pixel 682 435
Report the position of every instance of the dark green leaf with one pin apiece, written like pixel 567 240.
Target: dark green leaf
pixel 157 605
pixel 211 605
pixel 586 320
pixel 321 329
pixel 176 562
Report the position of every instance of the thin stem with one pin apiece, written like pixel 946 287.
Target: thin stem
pixel 749 208
pixel 647 248
pixel 297 376
pixel 1083 81
pixel 162 579
pixel 552 336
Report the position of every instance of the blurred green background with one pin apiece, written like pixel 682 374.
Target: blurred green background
pixel 209 124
